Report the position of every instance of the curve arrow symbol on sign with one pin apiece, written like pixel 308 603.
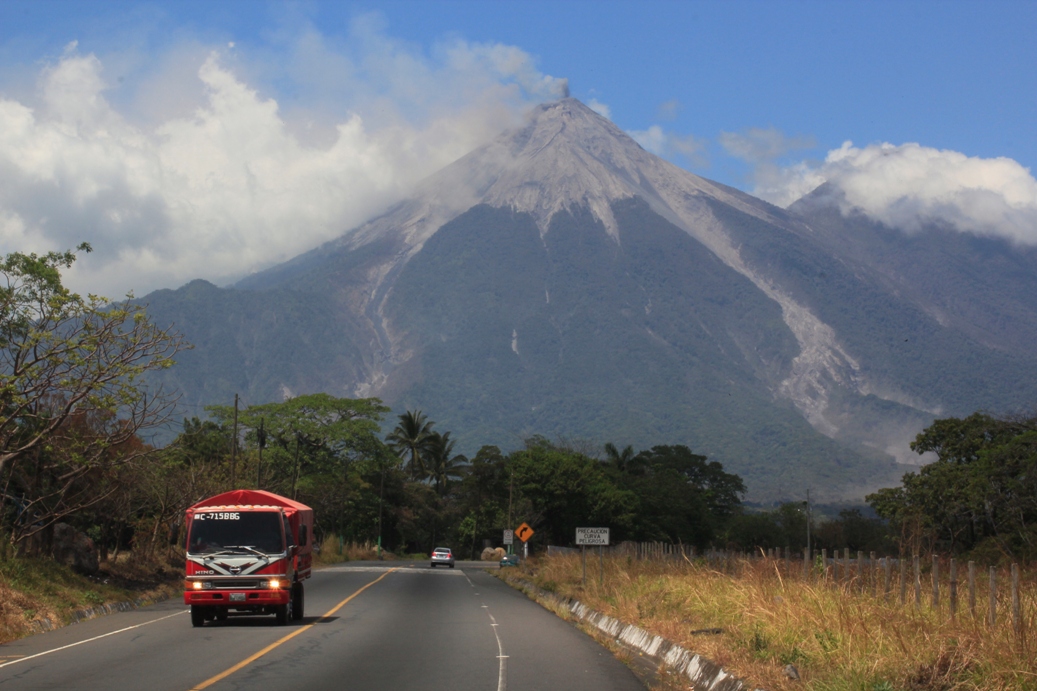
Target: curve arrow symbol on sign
pixel 524 532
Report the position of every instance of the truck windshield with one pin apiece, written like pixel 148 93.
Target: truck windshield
pixel 236 531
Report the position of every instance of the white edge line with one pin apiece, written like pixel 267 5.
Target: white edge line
pixel 502 674
pixel 103 635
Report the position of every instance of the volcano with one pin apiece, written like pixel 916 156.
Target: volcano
pixel 562 281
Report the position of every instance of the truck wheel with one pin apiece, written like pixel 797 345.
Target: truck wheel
pixel 284 613
pixel 298 601
pixel 197 616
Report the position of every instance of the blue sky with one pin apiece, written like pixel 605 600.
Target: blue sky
pixel 751 94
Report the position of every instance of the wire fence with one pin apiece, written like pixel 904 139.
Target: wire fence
pixel 998 595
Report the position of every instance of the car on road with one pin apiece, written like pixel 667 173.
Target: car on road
pixel 510 560
pixel 442 555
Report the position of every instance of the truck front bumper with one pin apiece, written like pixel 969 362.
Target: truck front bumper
pixel 237 598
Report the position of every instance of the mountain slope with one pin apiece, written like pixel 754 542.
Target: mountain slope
pixel 563 281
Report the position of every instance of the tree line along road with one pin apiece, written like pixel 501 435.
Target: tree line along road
pixel 368 626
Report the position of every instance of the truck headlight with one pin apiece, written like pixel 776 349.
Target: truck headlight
pixel 273 584
pixel 201 585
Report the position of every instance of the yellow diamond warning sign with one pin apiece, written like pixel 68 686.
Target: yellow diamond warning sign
pixel 524 532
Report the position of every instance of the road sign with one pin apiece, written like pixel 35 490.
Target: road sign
pixel 509 537
pixel 524 532
pixel 592 536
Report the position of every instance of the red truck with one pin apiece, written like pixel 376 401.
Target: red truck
pixel 248 551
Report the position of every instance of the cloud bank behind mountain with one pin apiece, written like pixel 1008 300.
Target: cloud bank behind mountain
pixel 905 186
pixel 230 181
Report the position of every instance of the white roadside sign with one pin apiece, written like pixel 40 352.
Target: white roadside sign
pixel 592 536
pixel 509 537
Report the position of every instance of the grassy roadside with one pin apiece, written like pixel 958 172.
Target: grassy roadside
pixel 837 638
pixel 33 589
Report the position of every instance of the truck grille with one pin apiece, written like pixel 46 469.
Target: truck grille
pixel 235 583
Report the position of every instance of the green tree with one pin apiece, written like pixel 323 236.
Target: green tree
pixel 323 450
pixel 722 491
pixel 620 460
pixel 72 393
pixel 409 439
pixel 980 488
pixel 444 466
pixel 566 489
pixel 483 496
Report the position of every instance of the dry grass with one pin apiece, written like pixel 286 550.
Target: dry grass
pixel 35 589
pixel 836 636
pixel 332 552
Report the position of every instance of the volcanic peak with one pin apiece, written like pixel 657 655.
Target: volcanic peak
pixel 565 156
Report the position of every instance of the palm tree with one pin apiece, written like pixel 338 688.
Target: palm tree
pixel 442 465
pixel 620 460
pixel 409 440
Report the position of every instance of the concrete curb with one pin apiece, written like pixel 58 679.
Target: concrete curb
pixel 48 624
pixel 701 672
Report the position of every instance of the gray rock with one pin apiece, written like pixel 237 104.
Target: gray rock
pixel 791 672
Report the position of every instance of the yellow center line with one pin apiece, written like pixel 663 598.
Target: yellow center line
pixel 252 658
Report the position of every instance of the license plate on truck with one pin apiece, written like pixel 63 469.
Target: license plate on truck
pixel 237 597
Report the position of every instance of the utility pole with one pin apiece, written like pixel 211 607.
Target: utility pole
pixel 234 445
pixel 511 486
pixel 261 439
pixel 381 493
pixel 295 475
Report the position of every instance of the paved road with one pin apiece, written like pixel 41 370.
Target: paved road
pixel 367 627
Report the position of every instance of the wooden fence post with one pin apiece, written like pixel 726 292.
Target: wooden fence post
pixel 887 567
pixel 953 592
pixel 846 566
pixel 992 618
pixel 903 580
pixel 806 564
pixel 936 582
pixel 873 569
pixel 972 589
pixel 824 566
pixel 1017 614
pixel 918 582
pixel 860 571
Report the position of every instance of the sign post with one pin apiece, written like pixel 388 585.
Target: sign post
pixel 524 532
pixel 593 536
pixel 509 539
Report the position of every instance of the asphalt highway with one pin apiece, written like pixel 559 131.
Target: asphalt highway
pixel 378 626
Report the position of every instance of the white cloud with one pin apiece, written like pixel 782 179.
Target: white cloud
pixel 600 108
pixel 910 185
pixel 762 144
pixel 234 181
pixel 660 142
pixel 762 148
pixel 669 110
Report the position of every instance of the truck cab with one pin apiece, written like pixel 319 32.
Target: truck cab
pixel 245 557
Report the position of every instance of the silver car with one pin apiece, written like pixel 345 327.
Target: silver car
pixel 442 555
